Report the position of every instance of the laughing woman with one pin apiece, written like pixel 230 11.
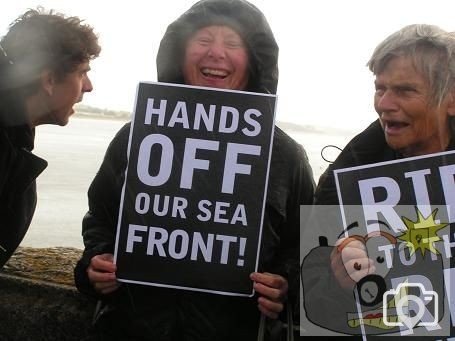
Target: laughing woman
pixel 227 45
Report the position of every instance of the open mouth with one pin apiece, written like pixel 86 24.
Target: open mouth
pixel 394 126
pixel 214 73
pixel 375 318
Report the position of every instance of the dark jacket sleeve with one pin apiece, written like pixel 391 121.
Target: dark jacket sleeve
pixel 303 196
pixel 19 167
pixel 18 170
pixel 100 222
pixel 5 156
pixel 291 185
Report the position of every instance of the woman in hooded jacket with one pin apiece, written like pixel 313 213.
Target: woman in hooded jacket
pixel 227 45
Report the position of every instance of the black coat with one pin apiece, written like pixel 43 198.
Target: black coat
pixel 167 314
pixel 367 147
pixel 18 171
pixel 323 298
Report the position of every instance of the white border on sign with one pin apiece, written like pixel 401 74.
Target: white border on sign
pixel 264 198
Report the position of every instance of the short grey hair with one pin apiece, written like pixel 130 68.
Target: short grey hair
pixel 432 50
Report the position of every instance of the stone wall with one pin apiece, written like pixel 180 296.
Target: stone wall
pixel 38 300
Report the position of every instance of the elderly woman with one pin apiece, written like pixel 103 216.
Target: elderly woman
pixel 414 98
pixel 227 45
pixel 414 72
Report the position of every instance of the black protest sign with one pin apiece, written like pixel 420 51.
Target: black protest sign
pixel 389 191
pixel 400 212
pixel 194 195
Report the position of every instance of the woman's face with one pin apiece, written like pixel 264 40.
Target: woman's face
pixel 216 56
pixel 412 125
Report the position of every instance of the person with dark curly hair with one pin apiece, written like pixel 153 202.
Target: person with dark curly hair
pixel 224 44
pixel 44 61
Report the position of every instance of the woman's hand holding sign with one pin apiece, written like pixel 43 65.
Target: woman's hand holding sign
pixel 273 290
pixel 101 273
pixel 350 262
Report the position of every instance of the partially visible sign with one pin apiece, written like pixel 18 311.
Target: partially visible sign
pixel 383 187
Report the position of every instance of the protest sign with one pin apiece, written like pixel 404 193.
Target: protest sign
pixel 193 201
pixel 390 240
pixel 401 211
pixel 383 187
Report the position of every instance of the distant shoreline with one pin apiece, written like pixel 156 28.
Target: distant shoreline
pixel 96 116
pixel 286 126
pixel 75 154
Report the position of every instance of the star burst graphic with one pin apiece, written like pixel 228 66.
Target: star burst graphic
pixel 422 233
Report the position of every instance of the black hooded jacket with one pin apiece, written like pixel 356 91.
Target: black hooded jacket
pixel 324 299
pixel 18 166
pixel 169 314
pixel 18 171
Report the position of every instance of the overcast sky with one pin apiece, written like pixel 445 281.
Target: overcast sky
pixel 324 46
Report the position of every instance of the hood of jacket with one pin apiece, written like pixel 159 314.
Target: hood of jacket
pixel 240 15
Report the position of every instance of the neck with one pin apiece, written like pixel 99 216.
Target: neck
pixel 36 110
pixel 440 146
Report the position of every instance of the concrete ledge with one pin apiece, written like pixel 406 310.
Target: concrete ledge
pixel 34 309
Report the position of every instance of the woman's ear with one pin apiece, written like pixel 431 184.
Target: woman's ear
pixel 47 81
